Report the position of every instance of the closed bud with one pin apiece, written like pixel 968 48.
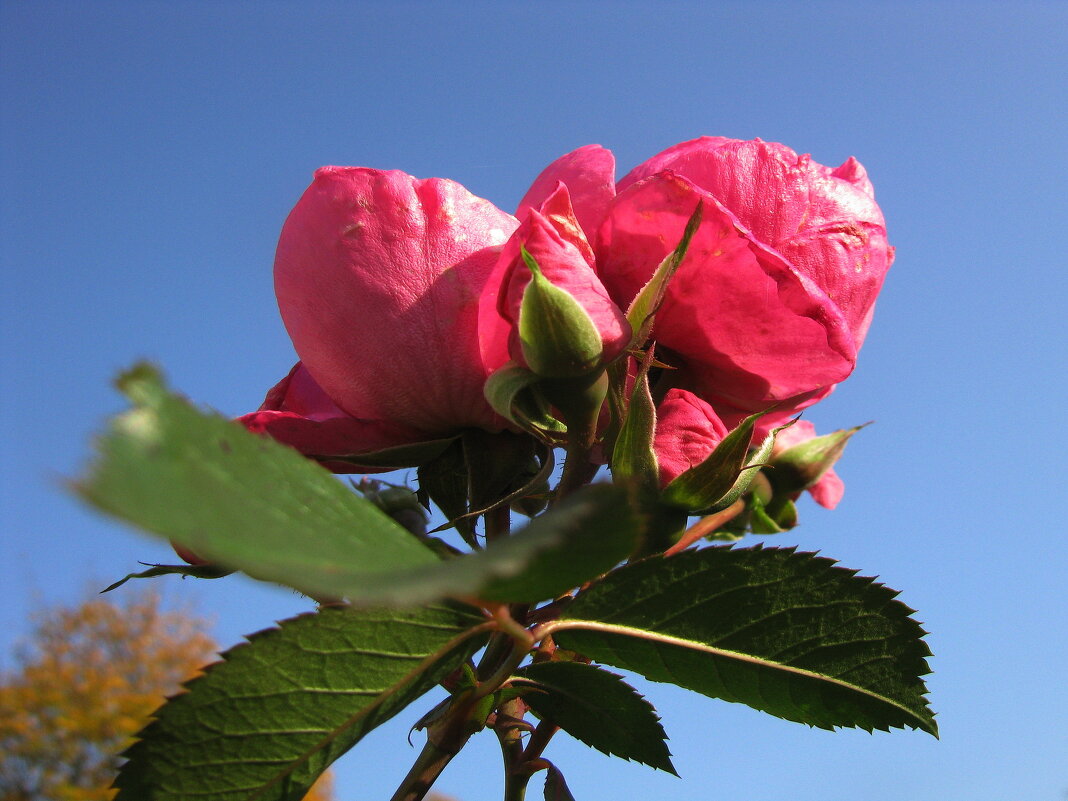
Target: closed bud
pixel 803 461
pixel 558 337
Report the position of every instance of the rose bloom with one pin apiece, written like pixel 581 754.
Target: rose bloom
pixel 401 295
pixel 773 300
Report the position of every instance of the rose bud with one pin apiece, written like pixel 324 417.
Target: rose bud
pixel 545 300
pixel 687 431
pixel 803 461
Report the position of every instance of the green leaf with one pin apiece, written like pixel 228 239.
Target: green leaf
pixel 784 632
pixel 642 311
pixel 598 708
pixel 245 502
pixel 276 712
pixel 196 571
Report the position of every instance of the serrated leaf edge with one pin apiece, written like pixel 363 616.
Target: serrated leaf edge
pixel 293 764
pixel 667 639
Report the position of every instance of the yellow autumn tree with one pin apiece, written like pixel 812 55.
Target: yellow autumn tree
pixel 84 684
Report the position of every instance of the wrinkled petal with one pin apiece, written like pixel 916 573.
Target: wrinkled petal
pixel 590 176
pixel 824 221
pixel 687 431
pixel 551 235
pixel 378 276
pixel 296 412
pixel 751 330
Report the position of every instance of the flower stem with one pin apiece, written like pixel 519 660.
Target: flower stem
pixel 428 766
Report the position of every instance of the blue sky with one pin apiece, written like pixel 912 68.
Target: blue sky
pixel 150 152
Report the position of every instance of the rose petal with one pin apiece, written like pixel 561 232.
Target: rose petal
pixel 828 491
pixel 296 412
pixel 687 431
pixel 824 221
pixel 590 176
pixel 751 330
pixel 378 276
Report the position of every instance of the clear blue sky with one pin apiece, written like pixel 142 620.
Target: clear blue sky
pixel 150 152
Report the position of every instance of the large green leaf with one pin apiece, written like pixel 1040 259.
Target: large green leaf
pixel 597 707
pixel 245 502
pixel 784 632
pixel 277 711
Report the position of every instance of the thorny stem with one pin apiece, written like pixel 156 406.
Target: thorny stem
pixel 509 735
pixel 446 737
pixel 543 732
pixel 428 766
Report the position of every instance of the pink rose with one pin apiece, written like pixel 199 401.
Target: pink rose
pixel 378 276
pixel 776 293
pixel 552 235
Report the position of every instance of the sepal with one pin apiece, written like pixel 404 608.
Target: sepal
pixel 709 484
pixel 801 466
pixel 642 310
pixel 558 337
pixel 512 392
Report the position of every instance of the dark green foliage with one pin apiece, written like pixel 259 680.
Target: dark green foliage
pixel 598 708
pixel 784 632
pixel 273 715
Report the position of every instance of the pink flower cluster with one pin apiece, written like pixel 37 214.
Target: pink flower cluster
pixel 402 295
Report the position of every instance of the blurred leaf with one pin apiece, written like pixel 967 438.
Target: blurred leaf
pixel 243 501
pixel 271 717
pixel 581 538
pixel 598 708
pixel 400 456
pixel 784 632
